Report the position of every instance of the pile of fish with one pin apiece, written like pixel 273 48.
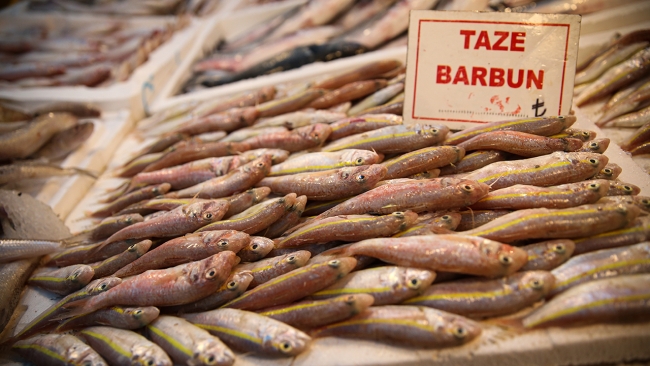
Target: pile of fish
pixel 32 142
pixel 619 72
pixel 261 222
pixel 125 7
pixel 91 53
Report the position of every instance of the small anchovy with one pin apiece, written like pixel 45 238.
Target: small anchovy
pixel 413 326
pixel 608 300
pixel 188 344
pixel 482 298
pixel 62 281
pixel 57 349
pixel 124 347
pixel 23 171
pixel 246 331
pixel 543 126
pixel 115 316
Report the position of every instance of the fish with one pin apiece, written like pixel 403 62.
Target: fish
pixel 418 196
pixel 367 122
pixel 618 188
pixel 288 220
pixel 300 118
pixel 66 141
pixel 242 201
pixel 178 221
pixel 124 347
pixel 314 14
pixel 637 138
pixel 234 286
pixel 248 132
pixel 520 143
pixel 316 313
pixel 595 146
pixel 301 138
pixel 126 200
pixel 610 58
pixel 637 232
pixel 348 92
pixel 547 255
pixel 422 160
pixel 289 103
pixel 563 223
pixel 473 161
pixel 256 218
pixel 368 71
pixel 611 171
pixel 267 269
pixel 258 248
pixel 113 264
pixel 319 161
pixel 62 281
pixel 246 331
pixel 608 300
pixel 576 133
pixel 449 253
pixel 641 149
pixel 549 170
pixel 393 139
pixel 483 298
pixel 413 326
pixel 601 264
pixel 192 152
pixel 116 316
pixel 247 99
pixel 191 247
pixel 14 275
pixel 137 165
pixel 542 126
pixel 388 285
pixel 519 196
pixel 328 184
pixel 178 285
pixel 105 228
pixel 636 100
pixel 16 249
pixel 188 344
pixel 348 228
pixel 33 170
pixel 377 98
pixel 87 253
pixel 293 285
pixel 229 120
pixel 57 349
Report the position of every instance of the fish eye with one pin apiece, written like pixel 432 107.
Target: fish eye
pixel 102 287
pixel 434 131
pixel 537 284
pixel 222 242
pixel 128 220
pixel 210 273
pixel 87 363
pixel 622 209
pixel 132 248
pixel 260 164
pixel 399 214
pixel 345 175
pixel 255 246
pixel 559 248
pixel 74 276
pixel 607 171
pixel 594 186
pixel 627 188
pixel 361 178
pixel 232 285
pixel 645 201
pixel 285 347
pixel 359 161
pixel 585 134
pixel 413 284
pixel 291 259
pixel 150 362
pixel 505 260
pixel 593 161
pixel 459 332
pixel 560 117
pixel 137 313
pixel 445 217
pixel 207 216
pixel 467 187
pixel 349 300
pixel 155 191
pixel 334 263
pixel 210 360
pixel 593 145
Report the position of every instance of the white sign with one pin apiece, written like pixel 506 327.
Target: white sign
pixel 468 68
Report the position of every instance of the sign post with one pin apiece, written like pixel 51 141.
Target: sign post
pixel 469 68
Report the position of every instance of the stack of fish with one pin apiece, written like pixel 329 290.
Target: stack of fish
pixel 619 72
pixel 124 7
pixel 257 224
pixel 31 142
pixel 95 53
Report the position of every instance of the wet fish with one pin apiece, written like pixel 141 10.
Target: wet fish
pixel 191 152
pixel 288 220
pixel 229 120
pixel 111 265
pixel 639 137
pixel 246 331
pixel 556 168
pixel 422 160
pixel 131 198
pixel 618 188
pixel 105 228
pixel 473 161
pixel 520 143
pixel 191 247
pixel 242 201
pixel 57 349
pixel 472 219
pixel 15 249
pixel 611 171
pixel 290 103
pixel 388 285
pixel 248 99
pixel 234 286
pixel 319 161
pixel 22 171
pixel 188 344
pixel 137 165
pixel 520 196
pixel 315 13
pixel 638 232
pixel 543 223
pixel 267 269
pixel 300 118
pixel 296 140
pixel 576 133
pixel 293 285
pixel 116 316
pixel 367 122
pixel 610 58
pixel 481 298
pixel 249 132
pixel 258 248
pixel 595 146
pixel 378 98
pixel 66 141
pixel 124 347
pixel 547 255
pixel 348 92
pixel 636 100
pixel 414 326
pixel 448 253
pixel 601 264
pixel 394 139
pixel 62 281
pixel 87 254
pixel 608 300
pixel 365 72
pixel 641 149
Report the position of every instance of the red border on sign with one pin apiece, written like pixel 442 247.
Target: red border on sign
pixel 417 59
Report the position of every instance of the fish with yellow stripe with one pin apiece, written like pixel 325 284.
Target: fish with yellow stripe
pixel 546 255
pixel 115 316
pixel 638 232
pixel 318 161
pixel 58 350
pixel 392 139
pixel 124 347
pixel 62 281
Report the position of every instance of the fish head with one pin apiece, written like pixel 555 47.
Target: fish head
pixel 455 329
pixel 207 211
pixel 259 166
pixel 357 302
pixel 459 150
pixel 568 119
pixel 286 340
pixel 267 93
pixel 259 246
pixel 437 132
pixel 418 280
pixel 316 133
pixel 469 191
pixel 558 251
pixel 140 248
pixel 215 268
pixel 82 274
pixel 249 115
pixel 145 354
pixel 221 240
pixel 538 282
pixel 502 259
pixel 297 259
pixel 130 219
pixel 610 171
pixel 84 357
pixel 630 212
pixel 366 175
pixel 642 202
pixel 277 155
pixel 572 144
pixel 239 281
pixel 407 218
pixel 450 220
pixel 597 145
pixel 142 315
pixel 212 352
pixel 593 160
pixel 102 285
pixel 259 193
pixel 359 157
pixel 625 189
pixel 598 186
